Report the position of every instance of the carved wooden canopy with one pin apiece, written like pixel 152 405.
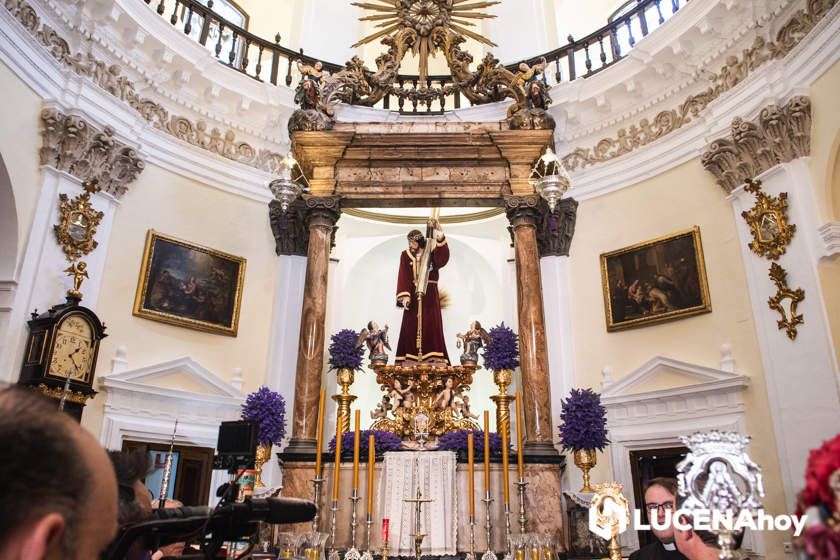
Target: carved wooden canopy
pixel 419 164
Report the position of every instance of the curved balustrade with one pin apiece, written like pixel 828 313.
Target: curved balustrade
pixel 266 61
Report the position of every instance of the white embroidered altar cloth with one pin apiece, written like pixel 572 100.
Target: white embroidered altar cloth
pixel 434 471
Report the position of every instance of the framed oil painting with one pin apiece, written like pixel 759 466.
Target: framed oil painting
pixel 654 281
pixel 189 285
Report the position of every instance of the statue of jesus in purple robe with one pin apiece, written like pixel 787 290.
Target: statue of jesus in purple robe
pixel 433 345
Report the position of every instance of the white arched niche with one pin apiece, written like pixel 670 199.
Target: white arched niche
pixel 363 283
pixel 8 252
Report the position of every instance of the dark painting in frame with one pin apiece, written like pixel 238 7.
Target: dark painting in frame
pixel 658 280
pixel 189 285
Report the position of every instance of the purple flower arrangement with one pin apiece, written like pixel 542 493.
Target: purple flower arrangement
pixel 503 350
pixel 584 421
pixel 456 440
pixel 268 409
pixel 382 442
pixel 344 352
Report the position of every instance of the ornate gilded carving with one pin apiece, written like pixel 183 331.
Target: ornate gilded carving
pixel 77 223
pixel 78 271
pixel 556 229
pixel 73 145
pixel 768 222
pixel 291 236
pixel 778 135
pixel 785 301
pixel 110 79
pixel 733 72
pixel 56 392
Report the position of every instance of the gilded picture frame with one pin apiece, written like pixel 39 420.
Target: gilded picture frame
pixel 658 280
pixel 189 285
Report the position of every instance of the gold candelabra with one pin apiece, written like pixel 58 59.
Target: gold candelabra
pixel 344 398
pixel 502 378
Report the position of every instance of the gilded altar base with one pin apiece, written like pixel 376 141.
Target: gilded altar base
pixel 423 383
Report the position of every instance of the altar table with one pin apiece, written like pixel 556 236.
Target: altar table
pixel 434 472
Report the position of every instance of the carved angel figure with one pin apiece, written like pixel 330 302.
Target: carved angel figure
pixel 474 339
pixel 401 396
pixel 382 408
pixel 463 408
pixel 308 91
pixel 376 340
pixel 529 73
pixel 531 80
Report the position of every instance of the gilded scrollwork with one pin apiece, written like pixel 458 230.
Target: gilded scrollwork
pixel 785 301
pixel 77 223
pixel 768 222
pixel 734 71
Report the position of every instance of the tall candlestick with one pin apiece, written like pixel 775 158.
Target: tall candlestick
pixel 320 443
pixel 337 469
pixel 471 472
pixel 520 452
pixel 486 451
pixel 356 435
pixel 371 467
pixel 505 475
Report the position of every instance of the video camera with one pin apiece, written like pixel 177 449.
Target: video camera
pixel 210 527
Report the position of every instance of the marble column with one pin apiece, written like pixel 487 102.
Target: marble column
pixel 321 216
pixel 523 214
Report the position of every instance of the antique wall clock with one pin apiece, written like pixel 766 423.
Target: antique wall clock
pixel 61 351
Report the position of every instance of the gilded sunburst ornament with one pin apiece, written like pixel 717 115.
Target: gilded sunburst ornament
pixel 423 17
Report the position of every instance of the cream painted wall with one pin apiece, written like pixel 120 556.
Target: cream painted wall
pixel 673 201
pixel 19 145
pixel 825 143
pixel 188 210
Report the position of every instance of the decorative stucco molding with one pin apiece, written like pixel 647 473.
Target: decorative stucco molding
pixel 778 135
pixel 111 80
pixel 73 145
pixel 733 72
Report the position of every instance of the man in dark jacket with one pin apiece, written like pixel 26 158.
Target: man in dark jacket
pixel 660 496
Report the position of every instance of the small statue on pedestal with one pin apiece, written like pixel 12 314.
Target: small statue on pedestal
pixel 314 112
pixel 473 340
pixel 376 340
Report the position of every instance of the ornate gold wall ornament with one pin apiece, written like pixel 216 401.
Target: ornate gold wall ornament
pixel 778 135
pixel 56 392
pixel 785 301
pixel 111 79
pixel 768 222
pixel 73 145
pixel 732 73
pixel 77 224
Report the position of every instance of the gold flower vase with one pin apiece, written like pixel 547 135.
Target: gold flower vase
pixel 585 459
pixel 262 457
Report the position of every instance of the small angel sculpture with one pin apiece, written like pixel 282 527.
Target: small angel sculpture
pixel 398 394
pixel 308 91
pixel 473 340
pixel 381 410
pixel 463 408
pixel 376 340
pixel 532 81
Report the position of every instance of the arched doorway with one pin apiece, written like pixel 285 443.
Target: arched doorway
pixel 8 253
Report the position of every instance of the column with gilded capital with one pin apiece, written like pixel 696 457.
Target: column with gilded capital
pixel 523 212
pixel 321 215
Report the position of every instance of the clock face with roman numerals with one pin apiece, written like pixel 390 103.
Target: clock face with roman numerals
pixel 73 349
